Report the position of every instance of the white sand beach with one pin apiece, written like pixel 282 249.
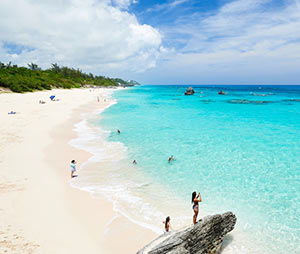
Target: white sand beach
pixel 40 212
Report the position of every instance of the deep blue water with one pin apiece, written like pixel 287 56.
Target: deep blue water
pixel 240 150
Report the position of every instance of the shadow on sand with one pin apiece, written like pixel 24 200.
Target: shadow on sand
pixel 227 240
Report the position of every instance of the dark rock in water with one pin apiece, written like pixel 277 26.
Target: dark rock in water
pixel 189 91
pixel 204 237
pixel 248 102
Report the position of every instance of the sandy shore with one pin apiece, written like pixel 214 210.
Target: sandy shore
pixel 40 212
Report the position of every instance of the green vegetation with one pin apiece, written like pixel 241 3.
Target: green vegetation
pixel 22 79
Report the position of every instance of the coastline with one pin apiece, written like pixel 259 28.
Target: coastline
pixel 41 212
pixel 44 211
pixel 238 241
pixel 88 134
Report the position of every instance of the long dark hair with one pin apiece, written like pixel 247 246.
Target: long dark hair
pixel 167 220
pixel 194 194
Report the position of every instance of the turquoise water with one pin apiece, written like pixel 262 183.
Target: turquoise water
pixel 240 150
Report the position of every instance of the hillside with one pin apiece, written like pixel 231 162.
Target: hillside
pixel 22 79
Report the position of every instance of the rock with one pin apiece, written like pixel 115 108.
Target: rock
pixel 204 237
pixel 189 91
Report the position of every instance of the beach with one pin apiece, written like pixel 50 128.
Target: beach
pixel 224 148
pixel 40 211
pixel 113 114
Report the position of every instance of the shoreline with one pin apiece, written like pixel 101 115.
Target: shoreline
pixel 94 132
pixel 232 244
pixel 41 211
pixel 87 137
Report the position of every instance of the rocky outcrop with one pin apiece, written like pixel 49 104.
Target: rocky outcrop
pixel 189 91
pixel 204 237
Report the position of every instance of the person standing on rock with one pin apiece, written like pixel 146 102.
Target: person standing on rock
pixel 195 201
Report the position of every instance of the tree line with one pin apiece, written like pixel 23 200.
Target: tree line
pixel 32 78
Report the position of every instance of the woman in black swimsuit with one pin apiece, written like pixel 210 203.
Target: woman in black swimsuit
pixel 195 200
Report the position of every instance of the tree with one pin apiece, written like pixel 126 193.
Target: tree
pixel 8 65
pixel 55 68
pixel 33 67
pixel 32 78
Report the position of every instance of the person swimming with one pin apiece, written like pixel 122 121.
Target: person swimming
pixel 118 131
pixel 195 201
pixel 167 224
pixel 171 159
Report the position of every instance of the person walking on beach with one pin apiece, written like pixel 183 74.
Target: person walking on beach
pixel 195 201
pixel 73 168
pixel 167 224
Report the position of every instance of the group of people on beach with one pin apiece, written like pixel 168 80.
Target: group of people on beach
pixel 196 199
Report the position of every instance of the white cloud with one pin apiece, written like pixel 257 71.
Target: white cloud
pixel 92 34
pixel 247 41
pixel 166 6
pixel 124 4
pixel 177 2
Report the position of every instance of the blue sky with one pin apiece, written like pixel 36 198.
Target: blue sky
pixel 158 42
pixel 226 42
pixel 160 13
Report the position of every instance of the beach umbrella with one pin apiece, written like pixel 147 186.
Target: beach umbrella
pixel 52 97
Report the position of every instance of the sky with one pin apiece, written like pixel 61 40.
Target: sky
pixel 158 42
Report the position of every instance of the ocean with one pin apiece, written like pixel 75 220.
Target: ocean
pixel 241 150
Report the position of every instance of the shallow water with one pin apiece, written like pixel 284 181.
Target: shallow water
pixel 240 150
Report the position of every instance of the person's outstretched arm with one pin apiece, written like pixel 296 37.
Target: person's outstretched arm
pixel 199 197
